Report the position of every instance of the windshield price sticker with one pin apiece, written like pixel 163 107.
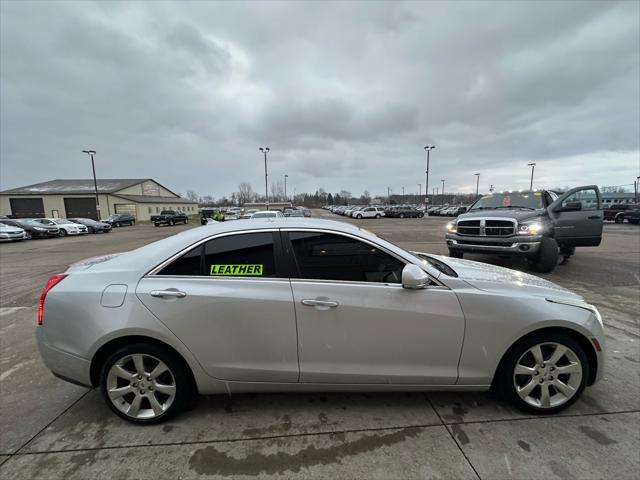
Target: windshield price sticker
pixel 236 270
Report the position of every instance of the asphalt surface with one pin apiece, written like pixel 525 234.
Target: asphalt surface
pixel 52 429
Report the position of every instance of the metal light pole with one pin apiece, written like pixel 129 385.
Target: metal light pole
pixel 637 187
pixel 533 167
pixel 427 149
pixel 91 153
pixel 403 195
pixel 389 195
pixel 285 187
pixel 419 191
pixel 442 180
pixel 265 150
pixel 477 183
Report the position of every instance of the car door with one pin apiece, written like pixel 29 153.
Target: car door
pixel 356 324
pixel 578 216
pixel 227 301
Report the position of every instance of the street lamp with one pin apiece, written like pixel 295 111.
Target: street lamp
pixel 427 149
pixel 91 153
pixel 285 187
pixel 265 150
pixel 477 183
pixel 533 167
pixel 442 180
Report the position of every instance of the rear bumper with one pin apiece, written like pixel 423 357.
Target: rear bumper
pixel 62 364
pixel 504 245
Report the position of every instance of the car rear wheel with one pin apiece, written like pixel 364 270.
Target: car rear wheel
pixel 377 215
pixel 186 220
pixel 359 216
pixel 145 383
pixel 172 222
pixel 620 219
pixel 28 235
pixel 62 232
pixel 117 224
pixel 544 373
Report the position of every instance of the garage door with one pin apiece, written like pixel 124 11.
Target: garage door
pixel 27 207
pixel 81 208
pixel 129 208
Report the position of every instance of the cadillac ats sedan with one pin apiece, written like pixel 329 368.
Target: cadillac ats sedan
pixel 295 304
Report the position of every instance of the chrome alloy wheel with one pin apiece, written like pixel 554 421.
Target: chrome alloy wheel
pixel 547 375
pixel 141 386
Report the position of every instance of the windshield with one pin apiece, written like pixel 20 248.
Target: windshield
pixel 529 200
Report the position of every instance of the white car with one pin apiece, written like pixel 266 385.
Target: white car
pixel 350 210
pixel 11 234
pixel 67 227
pixel 267 214
pixel 368 212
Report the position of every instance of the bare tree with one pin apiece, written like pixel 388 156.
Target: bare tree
pixel 192 195
pixel 245 193
pixel 277 191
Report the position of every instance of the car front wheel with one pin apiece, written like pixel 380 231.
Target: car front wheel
pixel 145 383
pixel 62 232
pixel 544 373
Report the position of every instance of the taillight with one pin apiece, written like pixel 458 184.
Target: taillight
pixel 52 282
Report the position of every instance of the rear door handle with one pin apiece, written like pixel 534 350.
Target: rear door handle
pixel 594 217
pixel 167 293
pixel 319 303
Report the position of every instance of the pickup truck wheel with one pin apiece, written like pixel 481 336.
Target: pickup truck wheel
pixel 547 258
pixel 455 254
pixel 172 222
pixel 117 224
pixel 620 219
pixel 186 220
pixel 156 224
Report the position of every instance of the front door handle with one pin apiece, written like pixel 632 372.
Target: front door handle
pixel 594 217
pixel 167 293
pixel 319 303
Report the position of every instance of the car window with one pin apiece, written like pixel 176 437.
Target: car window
pixel 326 256
pixel 587 197
pixel 242 255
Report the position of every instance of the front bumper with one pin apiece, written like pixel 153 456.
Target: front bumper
pixel 514 245
pixel 10 237
pixel 62 364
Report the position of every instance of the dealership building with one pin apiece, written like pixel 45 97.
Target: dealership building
pixel 140 197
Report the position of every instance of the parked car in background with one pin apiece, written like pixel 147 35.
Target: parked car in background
pixel 404 211
pixel 10 233
pixel 32 228
pixel 248 213
pixel 386 319
pixel 93 226
pixel 65 226
pixel 211 213
pixel 617 213
pixel 267 214
pixel 169 217
pixel 431 210
pixel 120 220
pixel 369 212
pixel 306 212
pixel 537 225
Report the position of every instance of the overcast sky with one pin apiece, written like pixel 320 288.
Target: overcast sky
pixel 345 94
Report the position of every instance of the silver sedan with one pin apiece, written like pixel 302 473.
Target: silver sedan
pixel 288 304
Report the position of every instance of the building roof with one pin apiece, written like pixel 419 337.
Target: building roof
pixel 76 186
pixel 154 199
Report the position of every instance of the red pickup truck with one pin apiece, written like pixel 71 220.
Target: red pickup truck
pixel 616 213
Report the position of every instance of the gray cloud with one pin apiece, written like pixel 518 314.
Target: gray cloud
pixel 345 94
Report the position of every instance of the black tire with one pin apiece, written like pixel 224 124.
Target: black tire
pixel 420 215
pixel 547 258
pixel 378 215
pixel 359 217
pixel 401 215
pixel 172 222
pixel 28 235
pixel 62 232
pixel 186 220
pixel 132 223
pixel 504 380
pixel 156 224
pixel 619 219
pixel 177 367
pixel 117 224
pixel 91 230
pixel 455 253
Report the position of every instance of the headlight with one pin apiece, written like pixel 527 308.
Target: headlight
pixel 531 229
pixel 452 227
pixel 40 229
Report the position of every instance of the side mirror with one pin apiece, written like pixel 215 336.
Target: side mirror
pixel 570 207
pixel 414 277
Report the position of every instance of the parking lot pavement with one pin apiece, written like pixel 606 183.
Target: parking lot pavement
pixel 51 429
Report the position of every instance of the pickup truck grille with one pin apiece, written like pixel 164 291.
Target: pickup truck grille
pixel 486 228
pixel 469 227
